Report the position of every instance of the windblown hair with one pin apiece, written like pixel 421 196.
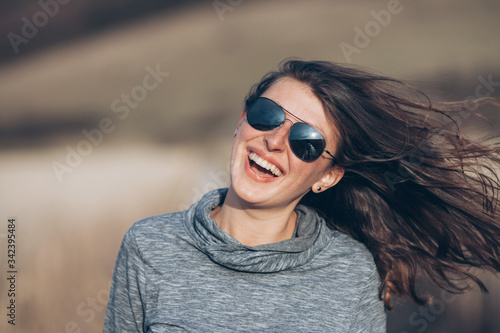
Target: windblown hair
pixel 419 195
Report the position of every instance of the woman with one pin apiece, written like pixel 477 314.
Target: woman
pixel 344 187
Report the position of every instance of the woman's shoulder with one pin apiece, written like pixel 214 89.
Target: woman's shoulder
pixel 158 222
pixel 349 252
pixel 158 229
pixel 348 245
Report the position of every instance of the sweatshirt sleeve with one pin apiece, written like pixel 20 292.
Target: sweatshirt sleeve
pixel 126 306
pixel 370 316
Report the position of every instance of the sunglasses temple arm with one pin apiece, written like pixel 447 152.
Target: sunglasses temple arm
pixel 333 157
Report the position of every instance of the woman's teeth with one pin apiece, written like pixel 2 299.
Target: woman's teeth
pixel 265 164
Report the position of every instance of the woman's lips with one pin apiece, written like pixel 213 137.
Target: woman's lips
pixel 273 169
pixel 260 170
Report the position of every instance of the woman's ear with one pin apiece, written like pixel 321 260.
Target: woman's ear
pixel 242 119
pixel 329 179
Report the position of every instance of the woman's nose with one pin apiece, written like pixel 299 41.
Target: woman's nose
pixel 276 140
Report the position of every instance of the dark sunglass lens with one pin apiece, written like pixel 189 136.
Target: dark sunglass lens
pixel 306 143
pixel 265 115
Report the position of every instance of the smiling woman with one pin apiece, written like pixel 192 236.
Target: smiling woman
pixel 343 188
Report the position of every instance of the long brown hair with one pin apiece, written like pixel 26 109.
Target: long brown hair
pixel 419 195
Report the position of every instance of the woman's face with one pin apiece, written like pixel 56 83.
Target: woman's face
pixel 260 188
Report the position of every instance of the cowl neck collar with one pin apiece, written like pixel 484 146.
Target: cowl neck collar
pixel 312 236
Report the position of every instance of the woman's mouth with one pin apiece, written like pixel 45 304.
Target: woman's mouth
pixel 263 167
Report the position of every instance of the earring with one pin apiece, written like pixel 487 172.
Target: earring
pixel 319 188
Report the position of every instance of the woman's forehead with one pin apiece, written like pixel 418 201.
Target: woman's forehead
pixel 296 97
pixel 299 99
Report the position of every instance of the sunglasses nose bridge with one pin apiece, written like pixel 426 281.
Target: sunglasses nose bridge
pixel 277 139
pixel 286 119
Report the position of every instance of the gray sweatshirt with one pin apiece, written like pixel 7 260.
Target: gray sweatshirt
pixel 180 272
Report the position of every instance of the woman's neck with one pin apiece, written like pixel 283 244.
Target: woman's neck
pixel 255 226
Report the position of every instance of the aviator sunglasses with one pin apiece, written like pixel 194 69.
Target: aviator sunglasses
pixel 305 141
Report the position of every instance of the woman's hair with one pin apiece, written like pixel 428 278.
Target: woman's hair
pixel 419 195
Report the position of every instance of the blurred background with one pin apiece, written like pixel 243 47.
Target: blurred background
pixel 114 111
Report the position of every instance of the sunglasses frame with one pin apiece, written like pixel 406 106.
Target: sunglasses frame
pixel 285 111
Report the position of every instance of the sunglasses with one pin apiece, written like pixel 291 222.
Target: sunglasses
pixel 305 141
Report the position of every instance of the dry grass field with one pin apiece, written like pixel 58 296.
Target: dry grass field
pixel 161 153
